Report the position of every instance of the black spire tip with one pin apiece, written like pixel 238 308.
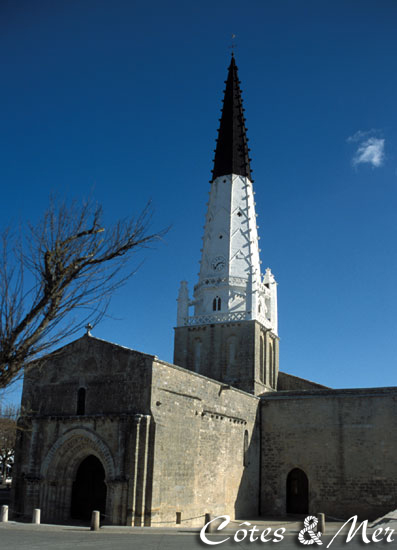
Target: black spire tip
pixel 231 154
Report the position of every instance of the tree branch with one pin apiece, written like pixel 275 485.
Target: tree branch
pixel 71 262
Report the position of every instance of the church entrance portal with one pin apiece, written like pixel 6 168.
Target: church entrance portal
pixel 89 489
pixel 297 492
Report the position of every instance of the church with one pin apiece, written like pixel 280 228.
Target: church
pixel 221 430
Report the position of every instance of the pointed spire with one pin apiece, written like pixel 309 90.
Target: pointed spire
pixel 231 154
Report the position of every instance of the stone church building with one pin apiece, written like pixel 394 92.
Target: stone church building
pixel 221 430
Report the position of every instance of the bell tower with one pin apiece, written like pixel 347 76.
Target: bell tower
pixel 231 335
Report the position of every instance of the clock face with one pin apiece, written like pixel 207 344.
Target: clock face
pixel 218 263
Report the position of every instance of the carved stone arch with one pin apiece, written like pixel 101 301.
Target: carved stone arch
pixel 59 473
pixel 69 450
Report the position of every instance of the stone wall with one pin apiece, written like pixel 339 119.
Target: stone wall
pixel 116 380
pixel 344 441
pixel 49 452
pixel 230 353
pixel 200 464
pixel 176 444
pixel 169 440
pixel 114 427
pixel 291 382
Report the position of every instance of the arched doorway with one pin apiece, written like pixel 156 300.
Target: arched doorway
pixel 89 489
pixel 297 492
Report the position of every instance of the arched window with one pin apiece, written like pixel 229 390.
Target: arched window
pixel 271 364
pixel 216 304
pixel 267 311
pixel 232 349
pixel 246 444
pixel 197 355
pixel 81 401
pixel 262 371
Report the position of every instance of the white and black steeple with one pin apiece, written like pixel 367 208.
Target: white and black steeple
pixel 232 152
pixel 231 289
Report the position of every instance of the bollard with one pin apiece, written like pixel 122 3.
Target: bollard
pixel 36 516
pixel 321 523
pixel 95 520
pixel 207 518
pixel 4 514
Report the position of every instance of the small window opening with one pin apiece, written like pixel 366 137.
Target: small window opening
pixel 271 365
pixel 262 366
pixel 232 350
pixel 221 236
pixel 197 355
pixel 216 304
pixel 239 214
pixel 245 452
pixel 81 401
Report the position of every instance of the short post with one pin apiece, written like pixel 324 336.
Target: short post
pixel 36 516
pixel 321 523
pixel 4 514
pixel 95 520
pixel 208 518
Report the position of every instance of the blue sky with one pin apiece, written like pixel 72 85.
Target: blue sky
pixel 123 98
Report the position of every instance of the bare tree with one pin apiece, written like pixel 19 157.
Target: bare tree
pixel 8 432
pixel 66 263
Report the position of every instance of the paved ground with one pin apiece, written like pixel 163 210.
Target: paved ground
pixel 389 520
pixel 19 536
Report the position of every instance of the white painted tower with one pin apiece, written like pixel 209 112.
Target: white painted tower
pixel 231 290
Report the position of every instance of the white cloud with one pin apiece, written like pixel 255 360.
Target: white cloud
pixel 360 135
pixel 370 151
pixel 370 148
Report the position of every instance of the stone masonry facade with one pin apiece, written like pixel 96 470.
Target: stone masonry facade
pixel 170 441
pixel 175 444
pixel 345 442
